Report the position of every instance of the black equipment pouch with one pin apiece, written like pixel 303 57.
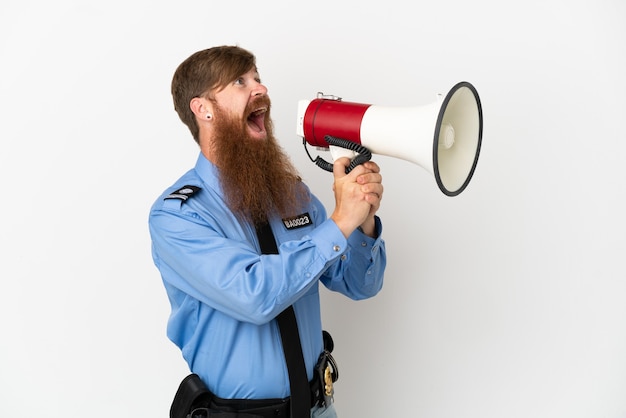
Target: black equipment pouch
pixel 191 394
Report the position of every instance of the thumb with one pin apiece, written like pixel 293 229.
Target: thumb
pixel 339 167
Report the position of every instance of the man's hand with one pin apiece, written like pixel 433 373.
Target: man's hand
pixel 357 196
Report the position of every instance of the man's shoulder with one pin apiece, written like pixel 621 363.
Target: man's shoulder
pixel 186 187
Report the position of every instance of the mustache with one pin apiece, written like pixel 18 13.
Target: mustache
pixel 258 102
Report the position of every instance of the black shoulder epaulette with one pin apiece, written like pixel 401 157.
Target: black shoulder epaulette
pixel 183 193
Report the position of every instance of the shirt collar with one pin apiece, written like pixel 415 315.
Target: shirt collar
pixel 208 173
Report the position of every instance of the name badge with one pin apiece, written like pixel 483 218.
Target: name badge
pixel 298 221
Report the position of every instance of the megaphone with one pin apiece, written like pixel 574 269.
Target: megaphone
pixel 443 137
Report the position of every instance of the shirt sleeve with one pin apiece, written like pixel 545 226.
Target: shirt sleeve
pixel 219 264
pixel 360 271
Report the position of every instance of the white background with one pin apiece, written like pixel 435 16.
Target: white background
pixel 505 301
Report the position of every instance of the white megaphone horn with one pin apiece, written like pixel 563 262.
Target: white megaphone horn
pixel 443 137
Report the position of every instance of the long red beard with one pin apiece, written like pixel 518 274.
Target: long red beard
pixel 257 176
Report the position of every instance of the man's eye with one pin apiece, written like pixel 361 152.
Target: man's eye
pixel 239 81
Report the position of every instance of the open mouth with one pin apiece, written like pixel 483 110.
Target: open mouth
pixel 256 119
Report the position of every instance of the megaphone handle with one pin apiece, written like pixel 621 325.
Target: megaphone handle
pixel 363 154
pixel 340 152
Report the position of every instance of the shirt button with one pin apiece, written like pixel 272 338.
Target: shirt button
pixel 343 257
pixel 336 248
pixel 364 244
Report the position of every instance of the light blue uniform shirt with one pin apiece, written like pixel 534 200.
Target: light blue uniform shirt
pixel 225 295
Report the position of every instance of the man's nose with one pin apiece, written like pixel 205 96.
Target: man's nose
pixel 259 90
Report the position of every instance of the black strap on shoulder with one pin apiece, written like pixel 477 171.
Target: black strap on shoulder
pixel 267 242
pixel 300 403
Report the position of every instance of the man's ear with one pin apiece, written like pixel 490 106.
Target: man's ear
pixel 201 107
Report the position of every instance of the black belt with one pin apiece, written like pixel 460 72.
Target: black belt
pixel 194 400
pixel 214 406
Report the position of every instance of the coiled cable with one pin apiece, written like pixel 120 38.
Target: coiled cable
pixel 363 154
